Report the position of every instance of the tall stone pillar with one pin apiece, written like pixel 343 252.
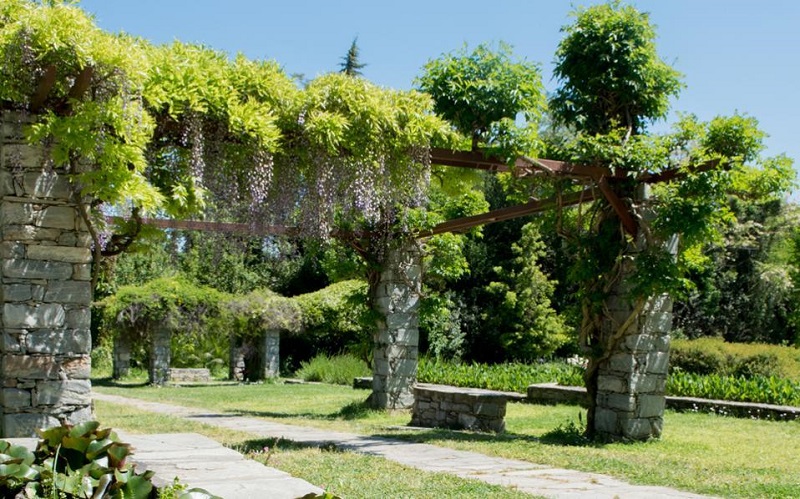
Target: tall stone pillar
pixel 632 382
pixel 160 354
pixel 121 356
pixel 396 300
pixel 271 354
pixel 45 287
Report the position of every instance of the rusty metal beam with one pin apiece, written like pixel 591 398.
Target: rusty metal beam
pixel 46 84
pixel 502 214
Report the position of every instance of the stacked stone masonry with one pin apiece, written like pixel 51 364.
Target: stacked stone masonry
pixel 188 375
pixel 46 290
pixel 632 382
pixel 256 358
pixel 441 406
pixel 396 299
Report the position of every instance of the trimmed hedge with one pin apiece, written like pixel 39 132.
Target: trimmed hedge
pixel 336 370
pixel 511 377
pixel 715 356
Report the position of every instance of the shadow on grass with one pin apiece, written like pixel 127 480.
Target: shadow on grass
pixel 110 382
pixel 567 435
pixel 268 445
pixel 350 412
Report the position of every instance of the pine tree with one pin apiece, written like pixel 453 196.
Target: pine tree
pixel 350 64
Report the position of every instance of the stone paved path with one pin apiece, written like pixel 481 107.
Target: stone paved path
pixel 521 475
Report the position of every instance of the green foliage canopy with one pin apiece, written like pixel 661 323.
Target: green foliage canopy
pixel 174 129
pixel 482 92
pixel 609 71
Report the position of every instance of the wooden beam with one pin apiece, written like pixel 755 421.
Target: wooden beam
pixel 622 211
pixel 81 84
pixel 523 166
pixel 567 169
pixel 467 159
pixel 225 227
pixel 46 84
pixel 676 173
pixel 502 214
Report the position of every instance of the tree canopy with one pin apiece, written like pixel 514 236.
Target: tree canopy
pixel 610 73
pixel 482 92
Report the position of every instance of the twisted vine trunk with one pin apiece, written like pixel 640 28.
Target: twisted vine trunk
pixel 627 341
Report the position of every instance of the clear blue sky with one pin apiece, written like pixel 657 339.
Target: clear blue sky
pixel 736 55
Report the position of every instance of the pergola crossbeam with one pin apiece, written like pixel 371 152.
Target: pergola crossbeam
pixel 502 214
pixel 44 87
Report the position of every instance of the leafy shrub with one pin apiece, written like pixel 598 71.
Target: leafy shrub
pixel 758 389
pixel 194 313
pixel 337 370
pixel 75 462
pixel 333 319
pixel 260 310
pixel 102 359
pixel 715 356
pixel 511 377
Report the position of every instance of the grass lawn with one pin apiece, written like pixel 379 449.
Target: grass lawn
pixel 342 473
pixel 698 452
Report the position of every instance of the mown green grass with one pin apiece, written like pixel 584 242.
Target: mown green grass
pixel 345 474
pixel 698 452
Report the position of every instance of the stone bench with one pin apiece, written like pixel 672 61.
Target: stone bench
pixel 187 375
pixel 442 406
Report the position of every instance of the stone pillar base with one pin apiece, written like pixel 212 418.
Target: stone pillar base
pixel 45 289
pixel 632 382
pixel 396 299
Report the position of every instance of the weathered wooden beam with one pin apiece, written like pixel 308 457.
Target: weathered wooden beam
pixel 567 169
pixel 467 159
pixel 81 84
pixel 619 206
pixel 224 227
pixel 676 173
pixel 46 84
pixel 523 166
pixel 502 214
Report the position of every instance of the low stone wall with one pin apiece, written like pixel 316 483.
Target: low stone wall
pixel 187 375
pixel 441 406
pixel 551 393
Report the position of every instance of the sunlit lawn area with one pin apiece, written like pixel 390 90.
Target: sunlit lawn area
pixel 698 452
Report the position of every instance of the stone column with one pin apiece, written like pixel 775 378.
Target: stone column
pixel 395 298
pixel 46 290
pixel 632 382
pixel 160 353
pixel 271 353
pixel 235 360
pixel 121 356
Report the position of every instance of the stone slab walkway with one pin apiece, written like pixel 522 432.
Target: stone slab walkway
pixel 520 475
pixel 202 462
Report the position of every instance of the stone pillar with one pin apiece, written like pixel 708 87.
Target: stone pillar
pixel 271 353
pixel 46 290
pixel 121 356
pixel 396 300
pixel 632 382
pixel 160 353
